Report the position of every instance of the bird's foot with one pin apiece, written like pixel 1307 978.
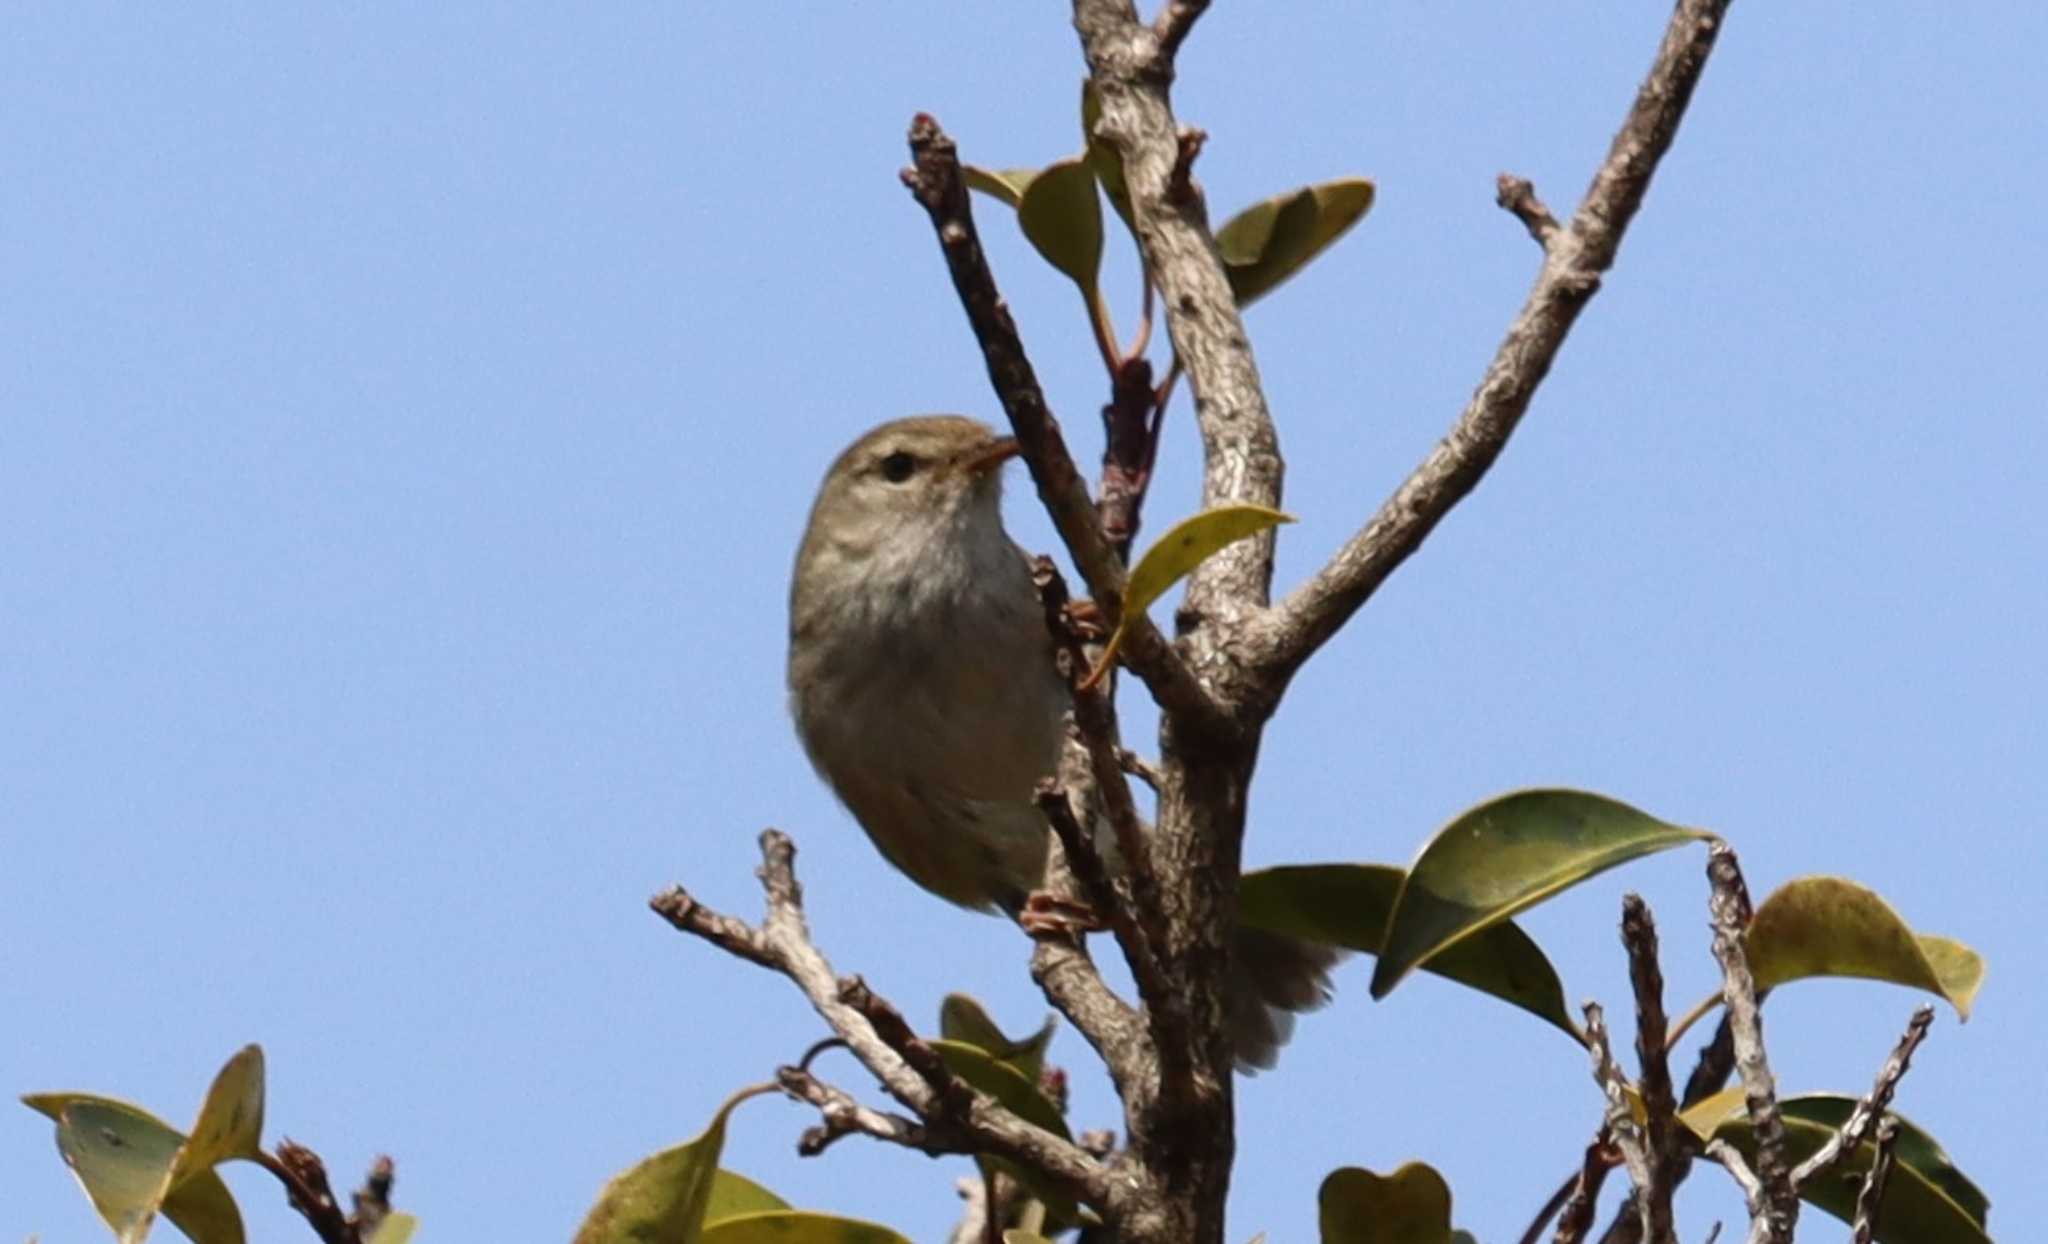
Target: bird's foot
pixel 1084 619
pixel 1047 915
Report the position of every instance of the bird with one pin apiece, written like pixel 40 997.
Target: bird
pixel 923 687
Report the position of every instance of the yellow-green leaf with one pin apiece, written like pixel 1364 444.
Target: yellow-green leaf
pixel 230 1121
pixel 1187 545
pixel 1410 1206
pixel 1926 1200
pixel 798 1227
pixel 962 1019
pixel 1061 215
pixel 1103 157
pixel 733 1194
pixel 397 1228
pixel 1007 184
pixel 1505 856
pixel 1271 240
pixel 1830 926
pixel 1017 1235
pixel 663 1198
pixel 126 1149
pixel 1022 1096
pixel 1348 904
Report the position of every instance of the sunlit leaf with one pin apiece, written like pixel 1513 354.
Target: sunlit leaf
pixel 1410 1206
pixel 1016 1235
pixel 1061 216
pixel 1505 856
pixel 1007 184
pixel 1830 926
pixel 663 1198
pixel 791 1226
pixel 127 1149
pixel 1187 545
pixel 1348 904
pixel 734 1194
pixel 1272 240
pixel 962 1019
pixel 230 1123
pixel 1926 1200
pixel 397 1228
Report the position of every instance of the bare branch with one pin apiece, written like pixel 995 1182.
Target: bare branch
pixel 1730 909
pixel 1574 259
pixel 1131 65
pixel 1177 18
pixel 1857 1128
pixel 1518 196
pixel 1752 1191
pixel 875 1032
pixel 842 1115
pixel 304 1177
pixel 1627 1135
pixel 935 181
pixel 1871 1198
pixel 1660 1108
pixel 1575 1199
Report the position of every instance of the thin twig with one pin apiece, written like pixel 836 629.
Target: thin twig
pixel 874 1031
pixel 1622 1127
pixel 306 1188
pixel 1730 909
pixel 1518 196
pixel 935 180
pixel 1574 259
pixel 1176 18
pixel 1653 1068
pixel 1857 1128
pixel 1871 1198
pixel 1576 1198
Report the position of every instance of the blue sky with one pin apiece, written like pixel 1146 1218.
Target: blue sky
pixel 409 417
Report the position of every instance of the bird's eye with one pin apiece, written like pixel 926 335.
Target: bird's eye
pixel 898 467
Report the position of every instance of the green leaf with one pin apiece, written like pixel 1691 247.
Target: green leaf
pixel 1830 926
pixel 1926 1200
pixel 734 1194
pixel 1505 856
pixel 1272 240
pixel 1175 555
pixel 962 1019
pixel 230 1123
pixel 798 1227
pixel 1410 1206
pixel 1103 157
pixel 1016 1235
pixel 1022 1096
pixel 665 1197
pixel 1061 215
pixel 397 1228
pixel 1007 184
pixel 1348 904
pixel 110 1145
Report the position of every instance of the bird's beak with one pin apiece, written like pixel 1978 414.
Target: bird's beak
pixel 992 455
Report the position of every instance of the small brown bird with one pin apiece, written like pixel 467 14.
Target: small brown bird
pixel 922 680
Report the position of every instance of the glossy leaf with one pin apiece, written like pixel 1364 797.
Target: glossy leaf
pixel 962 1019
pixel 1103 158
pixel 734 1194
pixel 1830 926
pixel 1061 216
pixel 200 1206
pixel 1410 1206
pixel 397 1228
pixel 1175 555
pixel 665 1197
pixel 1348 904
pixel 1272 240
pixel 1926 1200
pixel 230 1123
pixel 1505 856
pixel 1017 1235
pixel 1007 184
pixel 791 1226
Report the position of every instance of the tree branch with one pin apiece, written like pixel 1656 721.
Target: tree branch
pixel 1871 1198
pixel 1857 1128
pixel 1773 1217
pixel 875 1032
pixel 1660 1107
pixel 935 181
pixel 1574 258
